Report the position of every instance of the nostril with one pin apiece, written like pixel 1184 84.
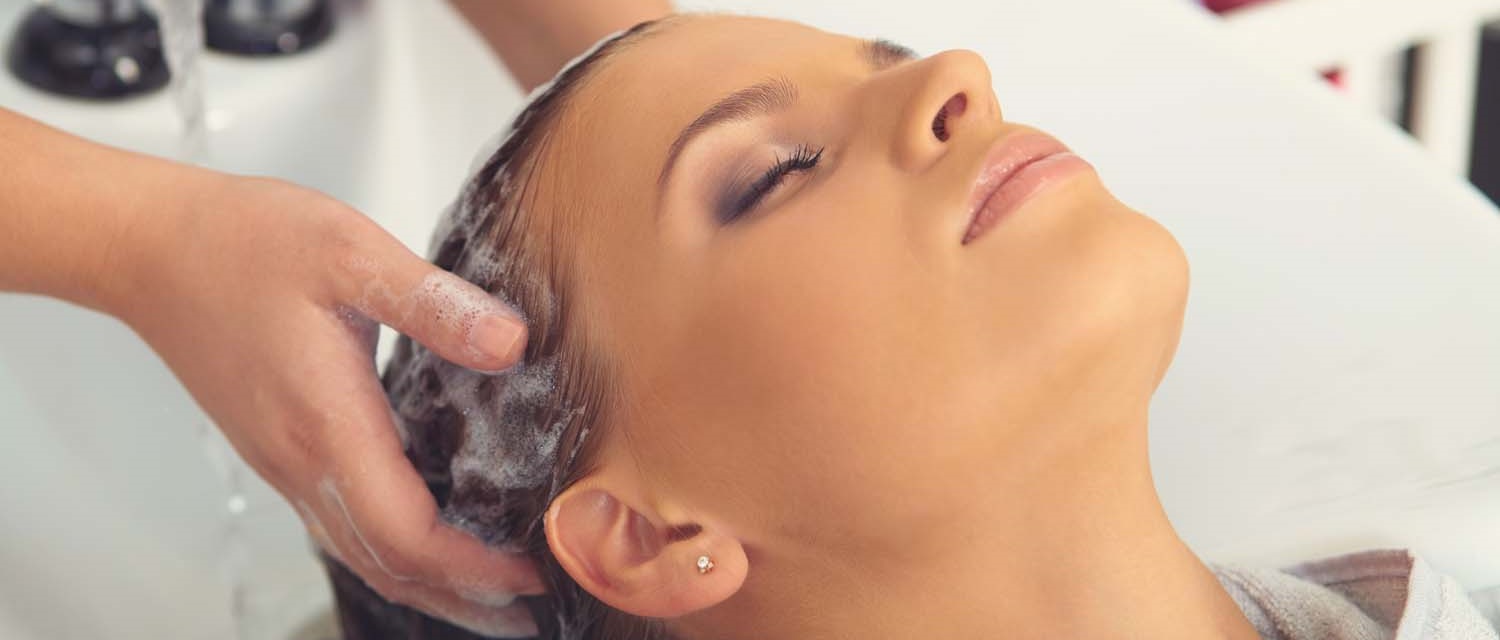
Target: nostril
pixel 953 108
pixel 955 105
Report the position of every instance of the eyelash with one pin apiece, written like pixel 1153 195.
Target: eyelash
pixel 802 159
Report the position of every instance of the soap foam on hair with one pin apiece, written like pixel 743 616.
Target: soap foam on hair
pixel 502 445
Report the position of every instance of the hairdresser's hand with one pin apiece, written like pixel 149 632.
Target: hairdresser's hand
pixel 262 297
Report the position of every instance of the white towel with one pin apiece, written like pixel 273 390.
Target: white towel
pixel 1488 601
pixel 1370 595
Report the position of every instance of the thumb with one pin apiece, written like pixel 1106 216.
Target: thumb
pixel 452 317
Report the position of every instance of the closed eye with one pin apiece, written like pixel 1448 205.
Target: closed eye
pixel 740 201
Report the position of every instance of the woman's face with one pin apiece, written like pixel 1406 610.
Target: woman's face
pixel 834 364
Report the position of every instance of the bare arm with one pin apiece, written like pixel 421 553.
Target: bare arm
pixel 64 203
pixel 262 297
pixel 535 38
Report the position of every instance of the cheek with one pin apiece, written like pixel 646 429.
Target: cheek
pixel 817 366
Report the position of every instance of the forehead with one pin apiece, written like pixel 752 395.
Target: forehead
pixel 677 71
pixel 621 122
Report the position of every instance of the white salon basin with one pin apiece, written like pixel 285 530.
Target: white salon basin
pixel 113 515
pixel 1337 387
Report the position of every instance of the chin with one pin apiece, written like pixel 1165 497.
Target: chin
pixel 1132 298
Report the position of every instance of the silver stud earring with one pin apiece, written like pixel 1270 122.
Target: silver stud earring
pixel 705 565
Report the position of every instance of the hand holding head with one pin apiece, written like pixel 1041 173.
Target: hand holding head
pixel 263 297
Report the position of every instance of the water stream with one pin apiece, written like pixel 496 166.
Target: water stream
pixel 182 44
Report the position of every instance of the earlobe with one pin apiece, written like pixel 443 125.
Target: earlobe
pixel 631 560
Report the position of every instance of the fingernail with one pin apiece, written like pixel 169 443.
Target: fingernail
pixel 506 622
pixel 515 581
pixel 532 585
pixel 510 622
pixel 498 338
pixel 491 599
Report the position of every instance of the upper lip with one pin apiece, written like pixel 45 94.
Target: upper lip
pixel 1005 157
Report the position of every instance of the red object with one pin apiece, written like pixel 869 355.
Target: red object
pixel 1222 6
pixel 1334 76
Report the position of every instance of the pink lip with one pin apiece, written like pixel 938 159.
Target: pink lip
pixel 1016 168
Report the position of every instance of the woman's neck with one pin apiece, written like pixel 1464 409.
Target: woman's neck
pixel 1074 544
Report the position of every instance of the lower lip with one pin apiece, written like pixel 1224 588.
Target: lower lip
pixel 1030 181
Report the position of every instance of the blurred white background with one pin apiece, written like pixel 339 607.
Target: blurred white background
pixel 1415 63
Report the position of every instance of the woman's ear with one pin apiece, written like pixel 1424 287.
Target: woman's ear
pixel 633 561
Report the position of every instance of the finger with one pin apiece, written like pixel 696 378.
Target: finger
pixel 507 619
pixel 449 315
pixel 510 621
pixel 383 501
pixel 500 617
pixel 318 532
pixel 340 539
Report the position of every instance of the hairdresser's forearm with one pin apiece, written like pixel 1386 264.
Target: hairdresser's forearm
pixel 535 38
pixel 71 211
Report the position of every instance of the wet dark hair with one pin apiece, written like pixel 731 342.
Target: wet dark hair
pixel 492 241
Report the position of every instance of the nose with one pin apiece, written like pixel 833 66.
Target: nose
pixel 942 100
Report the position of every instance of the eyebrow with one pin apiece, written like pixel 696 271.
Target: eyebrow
pixel 768 97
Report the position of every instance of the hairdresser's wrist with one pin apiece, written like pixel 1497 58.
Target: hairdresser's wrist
pixel 148 236
pixel 71 211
